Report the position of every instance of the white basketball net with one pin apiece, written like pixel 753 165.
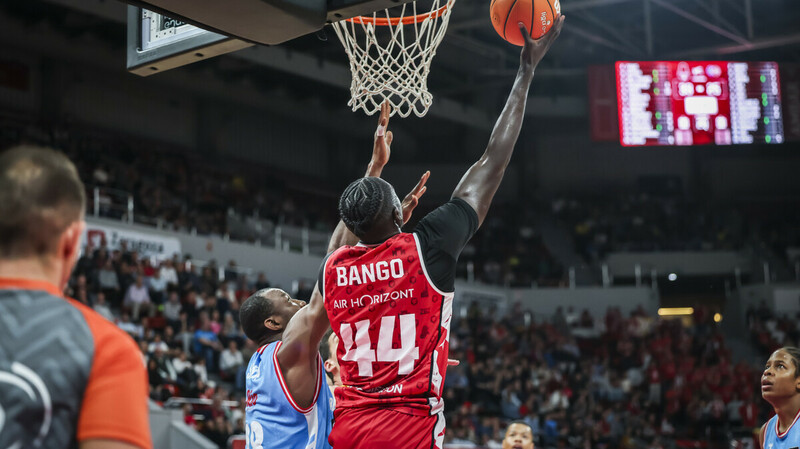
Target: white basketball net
pixel 392 61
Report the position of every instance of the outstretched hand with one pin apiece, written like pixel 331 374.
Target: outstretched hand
pixel 412 199
pixel 535 49
pixel 383 142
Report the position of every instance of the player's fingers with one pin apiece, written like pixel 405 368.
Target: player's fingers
pixel 422 192
pixel 419 185
pixel 389 137
pixel 557 31
pixel 453 362
pixel 552 33
pixel 559 25
pixel 383 120
pixel 386 111
pixel 422 180
pixel 419 188
pixel 525 34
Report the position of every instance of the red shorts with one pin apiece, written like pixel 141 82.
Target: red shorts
pixel 370 428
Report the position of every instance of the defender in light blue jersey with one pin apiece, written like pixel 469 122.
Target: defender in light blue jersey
pixel 274 419
pixel 780 386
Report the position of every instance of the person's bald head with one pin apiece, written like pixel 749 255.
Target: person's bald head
pixel 518 436
pixel 265 314
pixel 41 197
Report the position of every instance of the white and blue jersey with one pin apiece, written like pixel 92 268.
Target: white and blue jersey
pixel 274 420
pixel 787 440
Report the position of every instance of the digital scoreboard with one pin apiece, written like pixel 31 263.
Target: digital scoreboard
pixel 698 103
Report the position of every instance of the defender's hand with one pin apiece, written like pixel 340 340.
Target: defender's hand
pixel 535 49
pixel 412 199
pixel 383 139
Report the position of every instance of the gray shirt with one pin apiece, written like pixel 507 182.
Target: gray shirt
pixel 108 279
pixel 172 311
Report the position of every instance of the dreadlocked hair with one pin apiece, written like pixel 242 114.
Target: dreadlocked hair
pixel 794 353
pixel 364 202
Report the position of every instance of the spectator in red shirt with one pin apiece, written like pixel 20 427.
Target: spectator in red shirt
pixel 188 416
pixel 147 268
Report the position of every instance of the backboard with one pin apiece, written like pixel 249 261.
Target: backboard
pixel 157 43
pixel 164 34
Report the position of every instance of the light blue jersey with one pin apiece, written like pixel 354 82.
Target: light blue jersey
pixel 786 440
pixel 274 420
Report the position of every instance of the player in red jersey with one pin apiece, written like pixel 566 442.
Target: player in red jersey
pixel 389 298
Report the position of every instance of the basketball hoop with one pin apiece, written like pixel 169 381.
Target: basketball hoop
pixel 393 64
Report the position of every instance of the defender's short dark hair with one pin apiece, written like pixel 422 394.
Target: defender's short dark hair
pixel 324 350
pixel 253 312
pixel 41 194
pixel 365 202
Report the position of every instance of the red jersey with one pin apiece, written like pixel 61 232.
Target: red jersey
pixel 393 326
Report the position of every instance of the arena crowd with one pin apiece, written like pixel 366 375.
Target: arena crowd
pixel 579 380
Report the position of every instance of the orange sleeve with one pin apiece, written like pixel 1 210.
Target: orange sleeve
pixel 115 401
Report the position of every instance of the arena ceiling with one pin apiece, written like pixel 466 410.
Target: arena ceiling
pixel 474 67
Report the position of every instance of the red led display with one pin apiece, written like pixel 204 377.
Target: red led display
pixel 698 103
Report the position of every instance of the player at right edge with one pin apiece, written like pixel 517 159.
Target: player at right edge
pixel 389 298
pixel 780 386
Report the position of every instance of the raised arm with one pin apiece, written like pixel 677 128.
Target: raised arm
pixel 381 150
pixel 481 181
pixel 303 333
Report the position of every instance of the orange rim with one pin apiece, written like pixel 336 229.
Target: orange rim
pixel 383 21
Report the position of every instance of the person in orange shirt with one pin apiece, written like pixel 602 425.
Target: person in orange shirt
pixel 68 377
